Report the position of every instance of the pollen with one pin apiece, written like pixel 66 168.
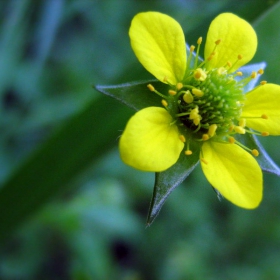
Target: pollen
pixel 188 152
pixel 150 87
pixel 182 138
pixel 255 152
pixel 197 92
pixel 164 103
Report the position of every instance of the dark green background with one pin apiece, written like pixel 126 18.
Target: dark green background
pixel 69 208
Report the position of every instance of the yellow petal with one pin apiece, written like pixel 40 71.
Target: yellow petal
pixel 237 38
pixel 159 44
pixel 150 142
pixel 265 100
pixel 233 172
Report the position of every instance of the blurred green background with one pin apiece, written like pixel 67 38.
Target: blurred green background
pixel 69 208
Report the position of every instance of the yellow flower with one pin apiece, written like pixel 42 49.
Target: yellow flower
pixel 205 105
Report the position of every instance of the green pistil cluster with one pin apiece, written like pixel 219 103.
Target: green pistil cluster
pixel 210 98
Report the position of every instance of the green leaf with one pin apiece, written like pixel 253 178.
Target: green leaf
pixel 49 170
pixel 167 181
pixel 135 95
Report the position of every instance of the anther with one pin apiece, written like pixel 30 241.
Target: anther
pixel 182 138
pixel 187 97
pixel 239 57
pixel 254 75
pixel 164 103
pixel 212 129
pixel 150 87
pixel 179 86
pixel 218 42
pixel 205 137
pixel 239 129
pixel 231 140
pixel 260 71
pixel 188 152
pixel 200 74
pixel 264 116
pixel 239 73
pixel 192 47
pixel 255 152
pixel 242 122
pixel 263 82
pixel 265 133
pixel 172 92
pixel 204 160
pixel 199 41
pixel 197 92
pixel 229 64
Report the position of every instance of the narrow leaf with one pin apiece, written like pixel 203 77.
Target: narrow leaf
pixel 49 170
pixel 167 181
pixel 135 95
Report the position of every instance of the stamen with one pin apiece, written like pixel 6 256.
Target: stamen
pixel 263 82
pixel 179 86
pixel 242 122
pixel 188 152
pixel 212 129
pixel 204 160
pixel 172 92
pixel 218 42
pixel 260 71
pixel 150 87
pixel 199 41
pixel 197 92
pixel 264 116
pixel 200 74
pixel 205 137
pixel 164 103
pixel 253 75
pixel 187 97
pixel 231 140
pixel 265 133
pixel 182 138
pixel 192 47
pixel 255 152
pixel 239 129
pixel 239 73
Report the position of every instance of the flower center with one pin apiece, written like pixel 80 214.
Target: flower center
pixel 211 99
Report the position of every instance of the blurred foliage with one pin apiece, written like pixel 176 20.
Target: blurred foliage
pixel 69 208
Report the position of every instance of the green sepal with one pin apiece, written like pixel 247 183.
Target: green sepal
pixel 265 161
pixel 136 95
pixel 167 181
